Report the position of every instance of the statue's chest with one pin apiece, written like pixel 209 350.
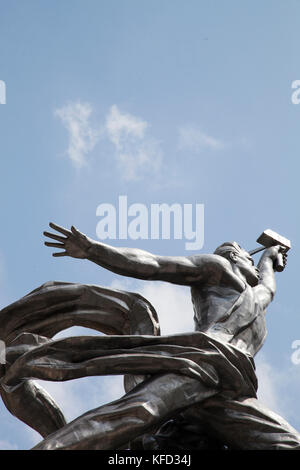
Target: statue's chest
pixel 212 304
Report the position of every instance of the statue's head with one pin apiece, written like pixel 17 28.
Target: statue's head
pixel 241 261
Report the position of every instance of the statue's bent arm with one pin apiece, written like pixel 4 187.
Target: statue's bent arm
pixel 266 288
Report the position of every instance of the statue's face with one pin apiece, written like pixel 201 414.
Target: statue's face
pixel 245 264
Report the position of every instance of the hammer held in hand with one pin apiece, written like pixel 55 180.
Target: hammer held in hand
pixel 269 238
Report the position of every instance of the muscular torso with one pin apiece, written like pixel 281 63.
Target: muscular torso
pixel 230 316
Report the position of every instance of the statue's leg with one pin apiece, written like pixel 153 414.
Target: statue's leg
pixel 112 426
pixel 245 424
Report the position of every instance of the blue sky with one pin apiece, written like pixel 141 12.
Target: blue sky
pixel 165 102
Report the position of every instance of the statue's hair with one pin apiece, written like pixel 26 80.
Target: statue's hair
pixel 228 247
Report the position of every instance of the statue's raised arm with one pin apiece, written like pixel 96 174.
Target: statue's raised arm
pixel 141 264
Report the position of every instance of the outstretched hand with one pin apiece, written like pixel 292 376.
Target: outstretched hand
pixel 75 243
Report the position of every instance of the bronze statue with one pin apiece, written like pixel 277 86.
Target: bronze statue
pixel 201 380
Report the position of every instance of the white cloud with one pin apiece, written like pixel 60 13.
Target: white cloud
pixel 268 392
pixel 194 139
pixel 82 137
pixel 278 389
pixel 173 305
pixel 122 126
pixel 137 153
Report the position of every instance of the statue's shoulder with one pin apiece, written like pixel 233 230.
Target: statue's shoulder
pixel 212 261
pixel 218 271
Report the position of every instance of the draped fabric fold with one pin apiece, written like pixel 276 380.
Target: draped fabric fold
pixel 53 307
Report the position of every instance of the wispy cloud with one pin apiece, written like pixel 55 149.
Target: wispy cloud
pixel 123 126
pixel 137 153
pixel 195 139
pixel 82 137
